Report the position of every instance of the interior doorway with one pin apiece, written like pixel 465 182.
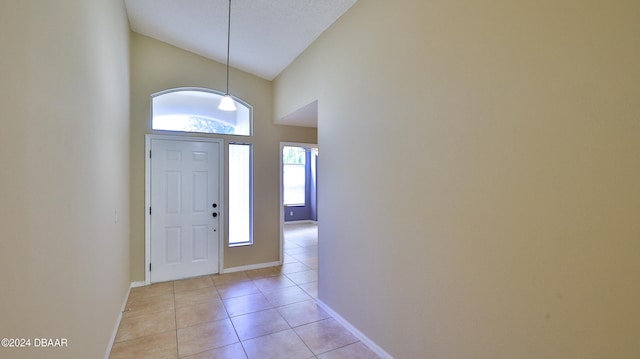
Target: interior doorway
pixel 298 187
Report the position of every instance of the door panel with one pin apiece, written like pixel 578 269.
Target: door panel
pixel 200 180
pixel 184 188
pixel 174 192
pixel 173 245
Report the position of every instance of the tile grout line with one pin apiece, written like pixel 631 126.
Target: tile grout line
pixel 232 324
pixel 175 319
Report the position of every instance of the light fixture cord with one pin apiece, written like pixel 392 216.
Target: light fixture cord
pixel 228 43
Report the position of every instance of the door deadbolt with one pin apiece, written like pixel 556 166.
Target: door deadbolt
pixel 215 205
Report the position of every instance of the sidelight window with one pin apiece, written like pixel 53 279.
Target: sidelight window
pixel 240 195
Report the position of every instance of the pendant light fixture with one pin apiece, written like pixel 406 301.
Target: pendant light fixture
pixel 227 103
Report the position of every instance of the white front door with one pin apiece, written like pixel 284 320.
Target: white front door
pixel 185 208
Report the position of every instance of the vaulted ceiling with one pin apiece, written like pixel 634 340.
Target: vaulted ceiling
pixel 266 35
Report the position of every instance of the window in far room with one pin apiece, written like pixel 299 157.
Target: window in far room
pixel 294 175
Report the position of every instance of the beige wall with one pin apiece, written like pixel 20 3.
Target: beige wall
pixel 489 154
pixel 64 157
pixel 157 66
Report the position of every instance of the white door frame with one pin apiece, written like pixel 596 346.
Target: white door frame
pixel 282 145
pixel 147 197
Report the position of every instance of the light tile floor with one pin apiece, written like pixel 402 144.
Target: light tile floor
pixel 263 313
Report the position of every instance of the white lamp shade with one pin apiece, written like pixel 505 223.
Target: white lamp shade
pixel 227 104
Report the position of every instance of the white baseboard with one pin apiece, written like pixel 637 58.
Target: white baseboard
pixel 122 309
pixel 138 284
pixel 302 221
pixel 358 334
pixel 251 267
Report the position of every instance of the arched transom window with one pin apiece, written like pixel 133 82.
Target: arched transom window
pixel 196 110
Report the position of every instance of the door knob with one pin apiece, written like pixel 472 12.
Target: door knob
pixel 214 214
